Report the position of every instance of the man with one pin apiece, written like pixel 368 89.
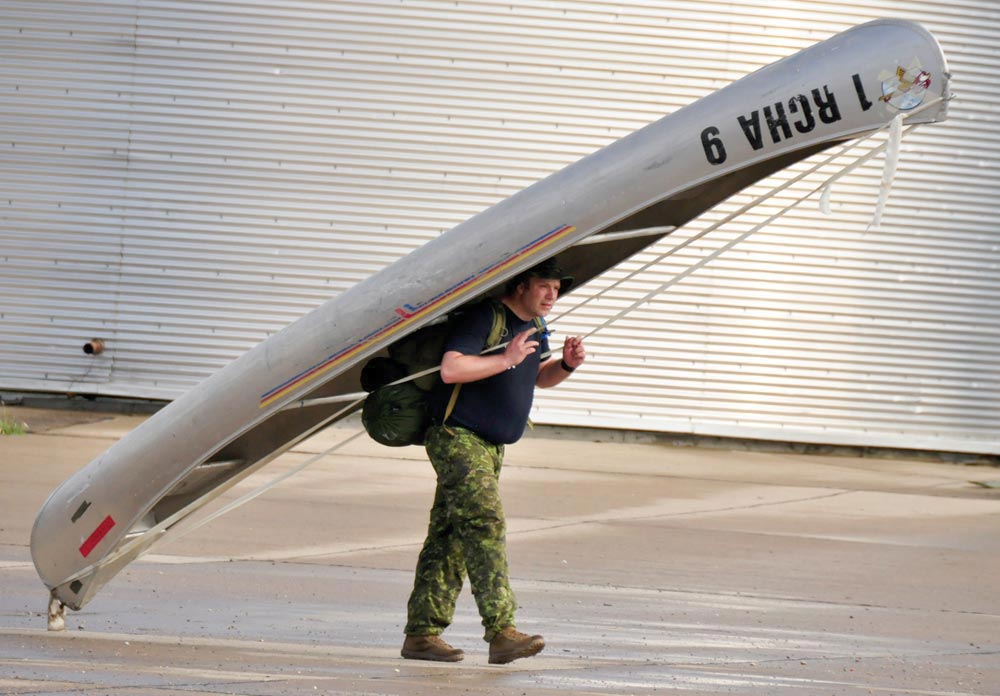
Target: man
pixel 467 532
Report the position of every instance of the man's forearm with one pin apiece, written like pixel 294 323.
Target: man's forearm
pixel 457 368
pixel 551 373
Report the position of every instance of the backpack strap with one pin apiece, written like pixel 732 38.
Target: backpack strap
pixel 543 328
pixel 495 336
pixel 493 339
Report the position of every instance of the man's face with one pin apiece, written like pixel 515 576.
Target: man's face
pixel 539 295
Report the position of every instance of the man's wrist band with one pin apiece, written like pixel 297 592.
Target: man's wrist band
pixel 564 366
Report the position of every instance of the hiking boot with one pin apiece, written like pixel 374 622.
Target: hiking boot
pixel 430 648
pixel 510 644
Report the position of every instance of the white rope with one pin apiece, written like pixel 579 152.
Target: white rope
pixel 718 252
pixel 246 498
pixel 896 123
pixel 322 400
pixel 824 198
pixel 178 518
pixel 711 228
pixel 889 169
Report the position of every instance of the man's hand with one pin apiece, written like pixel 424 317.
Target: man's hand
pixel 552 372
pixel 573 352
pixel 519 348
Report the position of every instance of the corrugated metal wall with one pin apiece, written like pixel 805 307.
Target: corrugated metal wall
pixel 184 178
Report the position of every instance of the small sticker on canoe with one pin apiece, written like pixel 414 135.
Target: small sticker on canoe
pixel 97 535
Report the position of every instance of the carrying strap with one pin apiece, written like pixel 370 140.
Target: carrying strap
pixel 493 339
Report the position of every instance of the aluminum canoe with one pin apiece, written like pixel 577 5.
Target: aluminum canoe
pixel 655 179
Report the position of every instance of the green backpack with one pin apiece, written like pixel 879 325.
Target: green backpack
pixel 396 412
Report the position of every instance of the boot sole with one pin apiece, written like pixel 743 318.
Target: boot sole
pixel 421 655
pixel 527 651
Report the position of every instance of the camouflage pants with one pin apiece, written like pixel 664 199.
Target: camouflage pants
pixel 467 533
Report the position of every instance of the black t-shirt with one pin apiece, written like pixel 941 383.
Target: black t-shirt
pixel 496 408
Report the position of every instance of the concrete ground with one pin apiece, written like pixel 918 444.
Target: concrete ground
pixel 648 568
